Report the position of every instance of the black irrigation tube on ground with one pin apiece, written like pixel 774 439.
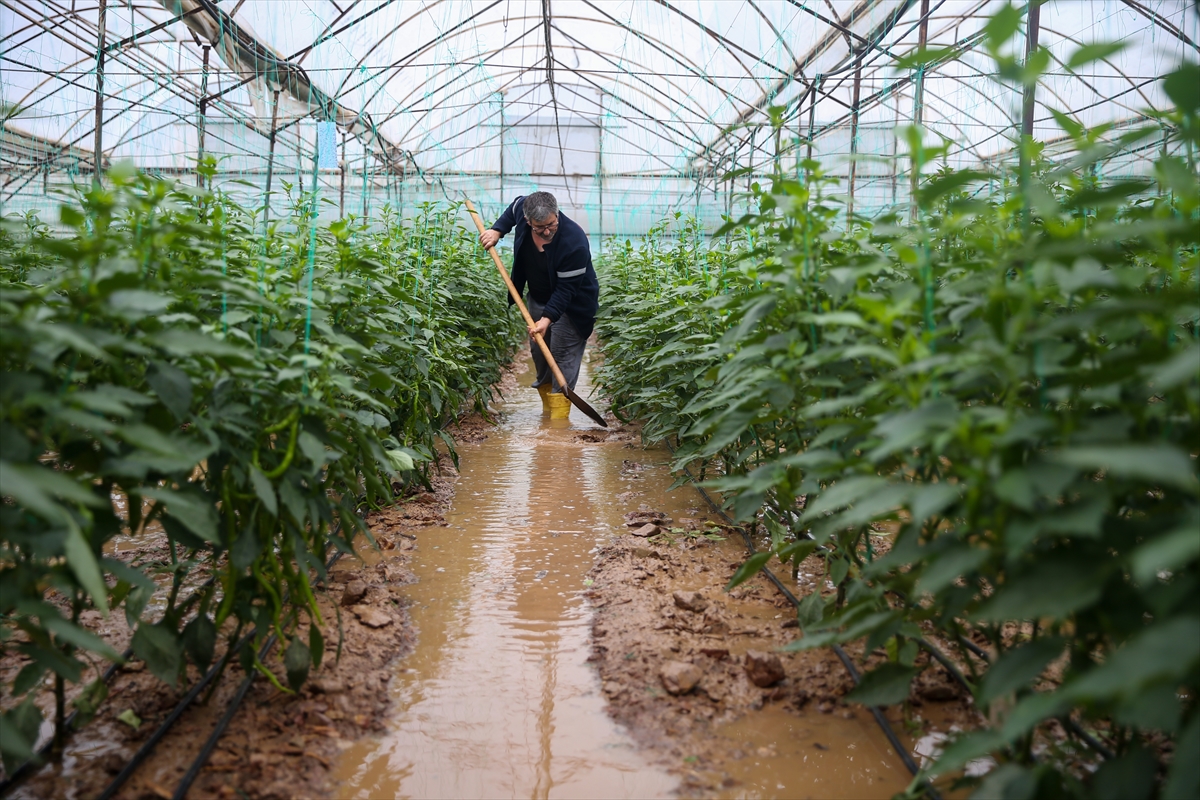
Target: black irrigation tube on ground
pixel 842 655
pixel 148 746
pixel 43 752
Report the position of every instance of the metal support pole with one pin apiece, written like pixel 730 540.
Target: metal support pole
pixel 919 83
pixel 600 174
pixel 364 191
pixel 300 163
pixel 503 201
pixel 270 159
pixel 854 139
pixel 896 159
pixel 1033 22
pixel 201 123
pixel 750 171
pixel 779 153
pixel 812 115
pixel 342 190
pixel 1031 43
pixel 101 37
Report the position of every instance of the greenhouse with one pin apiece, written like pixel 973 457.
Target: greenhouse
pixel 827 426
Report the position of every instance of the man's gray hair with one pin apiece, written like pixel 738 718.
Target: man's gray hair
pixel 540 206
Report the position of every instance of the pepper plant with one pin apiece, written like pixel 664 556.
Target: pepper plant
pixel 243 387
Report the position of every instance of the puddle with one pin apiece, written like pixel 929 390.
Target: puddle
pixel 812 755
pixel 498 699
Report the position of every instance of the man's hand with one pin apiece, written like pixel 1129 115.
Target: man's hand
pixel 489 238
pixel 541 326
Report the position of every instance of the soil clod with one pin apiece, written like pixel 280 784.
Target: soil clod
pixel 679 677
pixel 690 601
pixel 355 591
pixel 764 669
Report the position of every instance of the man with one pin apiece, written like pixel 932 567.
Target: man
pixel 552 258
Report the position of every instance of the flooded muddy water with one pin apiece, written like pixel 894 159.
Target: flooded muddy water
pixel 498 700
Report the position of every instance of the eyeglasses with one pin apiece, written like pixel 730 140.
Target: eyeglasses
pixel 542 230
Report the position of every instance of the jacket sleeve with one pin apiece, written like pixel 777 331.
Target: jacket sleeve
pixel 508 219
pixel 571 276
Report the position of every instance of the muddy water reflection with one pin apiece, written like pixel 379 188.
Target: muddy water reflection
pixel 498 700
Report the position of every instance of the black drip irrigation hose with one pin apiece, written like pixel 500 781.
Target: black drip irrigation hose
pixel 210 744
pixel 43 752
pixel 842 655
pixel 148 746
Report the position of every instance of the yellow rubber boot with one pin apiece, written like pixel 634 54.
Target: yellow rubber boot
pixel 544 390
pixel 560 406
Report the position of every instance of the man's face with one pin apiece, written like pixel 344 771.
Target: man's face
pixel 546 228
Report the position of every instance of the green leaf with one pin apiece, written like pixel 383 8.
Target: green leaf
pixel 187 343
pixel 67 631
pixel 1031 711
pixel 1154 463
pixel 838 569
pixel 82 561
pixel 200 640
pixel 843 493
pixel 297 660
pixel 1170 551
pixel 1183 87
pixel 1010 782
pixel 401 461
pixel 1001 27
pixel 944 185
pixel 191 508
pixel 88 702
pixel 1182 367
pixel 28 677
pixel 18 734
pixel 136 304
pixel 1017 667
pixel 1165 651
pixel 949 566
pixel 130 718
pixel 749 569
pixel 1049 589
pixel 885 685
pixel 930 499
pixel 810 611
pixel 173 387
pixel 965 749
pixel 1129 777
pixel 1183 782
pixel 265 490
pixel 34 486
pixel 1093 52
pixel 316 643
pixel 161 649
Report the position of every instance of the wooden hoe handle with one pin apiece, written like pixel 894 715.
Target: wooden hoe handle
pixel 512 290
pixel 575 399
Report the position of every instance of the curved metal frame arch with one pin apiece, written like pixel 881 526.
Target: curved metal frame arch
pixel 661 45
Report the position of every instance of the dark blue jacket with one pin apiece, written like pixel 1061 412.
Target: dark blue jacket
pixel 574 288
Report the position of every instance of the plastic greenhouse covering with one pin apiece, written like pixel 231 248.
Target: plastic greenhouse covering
pixel 626 110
